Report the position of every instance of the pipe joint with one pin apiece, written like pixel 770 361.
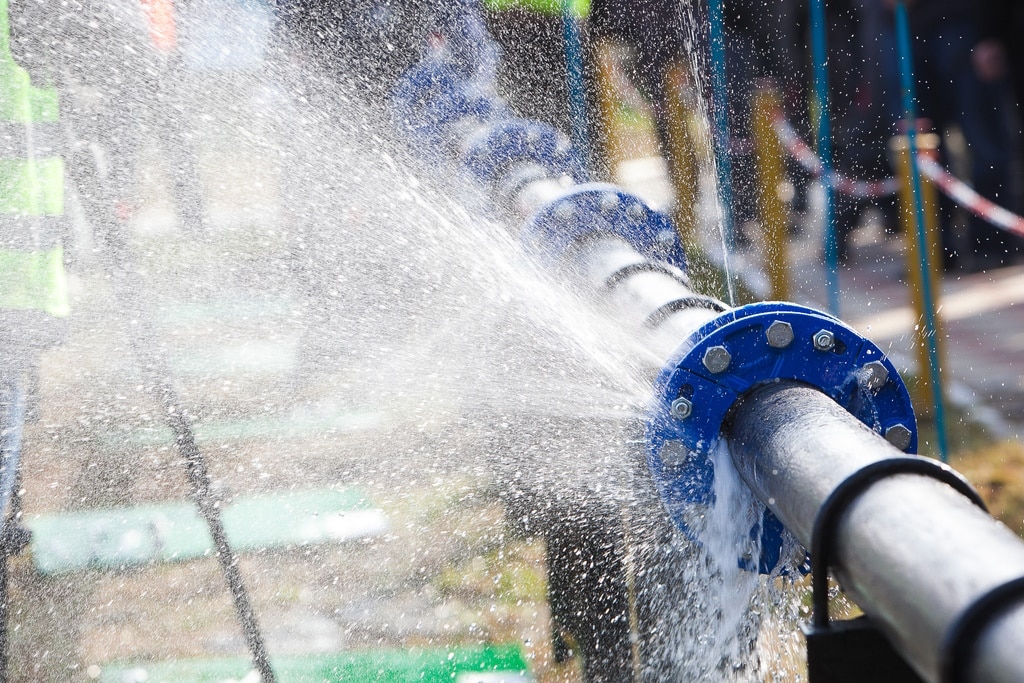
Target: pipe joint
pixel 434 96
pixel 499 146
pixel 599 208
pixel 851 370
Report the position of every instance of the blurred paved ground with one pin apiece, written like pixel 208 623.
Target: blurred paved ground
pixel 229 323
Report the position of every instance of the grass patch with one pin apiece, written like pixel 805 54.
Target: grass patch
pixel 997 471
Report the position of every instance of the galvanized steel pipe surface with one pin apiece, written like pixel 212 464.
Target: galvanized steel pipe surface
pixel 912 552
pixel 651 294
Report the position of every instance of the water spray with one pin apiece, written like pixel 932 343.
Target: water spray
pixel 128 288
pixel 819 423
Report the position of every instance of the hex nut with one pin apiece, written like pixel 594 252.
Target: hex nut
pixel 717 359
pixel 674 453
pixel 681 408
pixel 875 375
pixel 899 436
pixel 824 340
pixel 779 334
pixel 609 202
pixel 565 211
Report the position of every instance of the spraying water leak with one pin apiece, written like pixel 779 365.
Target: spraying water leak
pixel 336 314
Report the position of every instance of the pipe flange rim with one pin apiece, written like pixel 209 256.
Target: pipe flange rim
pixel 559 224
pixel 850 372
pixel 499 145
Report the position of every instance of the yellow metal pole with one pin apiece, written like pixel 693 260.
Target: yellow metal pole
pixel 627 128
pixel 611 145
pixel 770 172
pixel 927 145
pixel 683 154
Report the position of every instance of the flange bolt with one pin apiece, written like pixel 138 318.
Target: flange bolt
pixel 824 340
pixel 875 375
pixel 681 408
pixel 609 202
pixel 716 359
pixel 565 211
pixel 899 436
pixel 780 334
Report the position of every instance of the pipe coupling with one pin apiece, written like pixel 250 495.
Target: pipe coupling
pixel 763 342
pixel 600 208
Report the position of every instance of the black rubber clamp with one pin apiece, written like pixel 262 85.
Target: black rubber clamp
pixel 676 305
pixel 831 512
pixel 962 636
pixel 646 266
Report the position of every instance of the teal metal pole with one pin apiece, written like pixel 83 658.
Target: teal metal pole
pixel 819 55
pixel 577 87
pixel 928 297
pixel 720 105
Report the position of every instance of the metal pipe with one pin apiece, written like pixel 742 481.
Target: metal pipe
pixel 915 554
pixel 655 296
pixel 998 652
pixel 910 551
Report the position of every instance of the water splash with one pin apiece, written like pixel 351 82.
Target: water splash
pixel 401 297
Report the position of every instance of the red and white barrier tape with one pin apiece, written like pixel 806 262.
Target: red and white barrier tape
pixel 952 186
pixel 805 156
pixel 966 197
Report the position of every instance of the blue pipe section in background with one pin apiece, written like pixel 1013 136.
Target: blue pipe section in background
pixel 469 48
pixel 448 109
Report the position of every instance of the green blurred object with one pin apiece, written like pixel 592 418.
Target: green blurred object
pixel 32 273
pixel 580 8
pixel 481 664
pixel 126 537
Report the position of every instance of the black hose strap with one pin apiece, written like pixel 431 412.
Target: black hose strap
pixel 962 636
pixel 823 534
pixel 676 305
pixel 646 266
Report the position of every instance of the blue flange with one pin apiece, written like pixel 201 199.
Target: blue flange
pixel 429 79
pixel 502 144
pixel 595 208
pixel 434 95
pixel 742 349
